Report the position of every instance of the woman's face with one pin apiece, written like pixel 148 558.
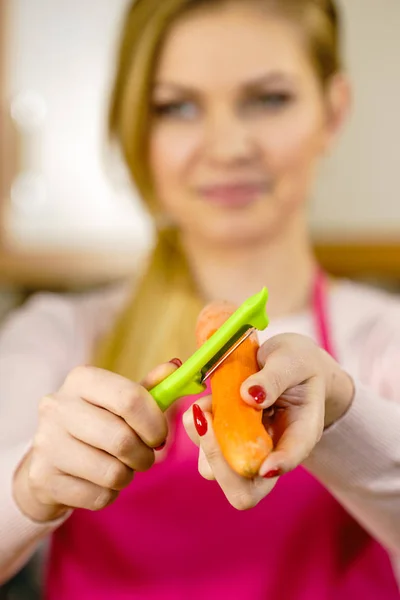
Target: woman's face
pixel 239 121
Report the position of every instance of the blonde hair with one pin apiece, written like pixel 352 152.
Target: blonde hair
pixel 159 322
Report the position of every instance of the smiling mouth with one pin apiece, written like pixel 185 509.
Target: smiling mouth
pixel 236 195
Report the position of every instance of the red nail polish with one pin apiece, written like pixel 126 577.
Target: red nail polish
pixel 200 420
pixel 272 474
pixel 161 447
pixel 176 361
pixel 258 393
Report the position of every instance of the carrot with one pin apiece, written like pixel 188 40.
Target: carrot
pixel 238 427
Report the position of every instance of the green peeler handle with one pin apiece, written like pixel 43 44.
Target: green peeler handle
pixel 187 379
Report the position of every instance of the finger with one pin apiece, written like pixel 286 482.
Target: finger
pixel 204 468
pixel 122 397
pixel 288 361
pixel 101 429
pixel 242 493
pixel 73 457
pixel 69 491
pixel 304 428
pixel 187 418
pixel 159 373
pixel 188 422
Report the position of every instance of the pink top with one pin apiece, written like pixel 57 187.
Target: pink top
pixel 173 534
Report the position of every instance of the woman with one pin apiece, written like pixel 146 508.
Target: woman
pixel 222 110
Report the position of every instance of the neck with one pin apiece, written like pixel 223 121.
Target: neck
pixel 285 265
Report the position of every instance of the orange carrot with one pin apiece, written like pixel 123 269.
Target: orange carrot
pixel 238 427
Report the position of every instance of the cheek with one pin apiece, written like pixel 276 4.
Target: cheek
pixel 294 145
pixel 172 151
pixel 292 152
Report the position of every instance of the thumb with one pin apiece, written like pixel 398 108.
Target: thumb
pixel 302 427
pixel 285 367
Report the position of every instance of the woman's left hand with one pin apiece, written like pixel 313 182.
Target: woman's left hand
pixel 302 390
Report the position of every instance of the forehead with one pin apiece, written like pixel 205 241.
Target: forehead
pixel 230 43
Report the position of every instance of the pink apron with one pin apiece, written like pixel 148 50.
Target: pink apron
pixel 173 535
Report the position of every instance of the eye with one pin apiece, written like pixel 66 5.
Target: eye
pixel 176 110
pixel 270 100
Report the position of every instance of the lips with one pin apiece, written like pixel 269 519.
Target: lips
pixel 234 194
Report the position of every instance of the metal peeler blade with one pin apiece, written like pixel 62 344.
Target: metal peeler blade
pixel 228 353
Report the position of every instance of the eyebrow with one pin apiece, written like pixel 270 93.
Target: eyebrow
pixel 273 77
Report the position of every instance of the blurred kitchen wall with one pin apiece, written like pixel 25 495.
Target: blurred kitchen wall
pixel 359 189
pixel 61 59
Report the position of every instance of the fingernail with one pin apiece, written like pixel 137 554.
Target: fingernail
pixel 272 473
pixel 176 361
pixel 200 421
pixel 258 393
pixel 161 447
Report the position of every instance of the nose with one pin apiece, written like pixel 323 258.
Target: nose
pixel 228 141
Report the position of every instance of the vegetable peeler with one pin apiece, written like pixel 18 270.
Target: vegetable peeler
pixel 191 377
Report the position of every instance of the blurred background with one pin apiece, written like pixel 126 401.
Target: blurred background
pixel 68 218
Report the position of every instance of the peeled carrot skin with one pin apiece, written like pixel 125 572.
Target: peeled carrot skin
pixel 238 427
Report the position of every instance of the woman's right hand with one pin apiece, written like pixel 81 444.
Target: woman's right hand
pixel 93 434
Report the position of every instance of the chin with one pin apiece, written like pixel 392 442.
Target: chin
pixel 225 228
pixel 234 234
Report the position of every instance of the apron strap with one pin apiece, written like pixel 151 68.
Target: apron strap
pixel 321 312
